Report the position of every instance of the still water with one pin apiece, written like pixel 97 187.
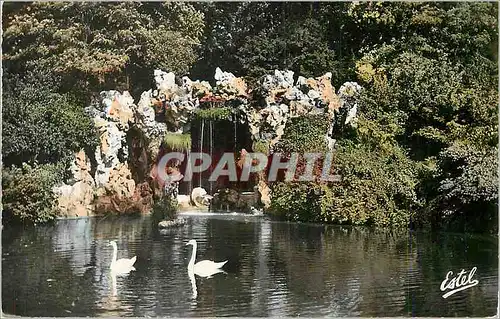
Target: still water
pixel 274 269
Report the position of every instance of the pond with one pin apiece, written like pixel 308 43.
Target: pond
pixel 273 269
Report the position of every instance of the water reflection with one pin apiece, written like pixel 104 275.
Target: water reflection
pixel 273 269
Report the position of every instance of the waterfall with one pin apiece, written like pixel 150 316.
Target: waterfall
pixel 211 154
pixel 201 146
pixel 234 120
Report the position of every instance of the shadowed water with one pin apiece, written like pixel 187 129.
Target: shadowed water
pixel 274 269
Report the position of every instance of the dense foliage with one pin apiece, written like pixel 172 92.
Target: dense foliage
pixel 177 142
pixel 41 131
pixel 304 135
pixel 101 45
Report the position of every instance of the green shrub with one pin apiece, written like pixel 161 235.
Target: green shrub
pixel 27 193
pixel 178 142
pixel 164 208
pixel 462 190
pixel 304 135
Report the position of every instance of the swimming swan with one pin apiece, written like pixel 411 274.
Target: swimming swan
pixel 123 265
pixel 204 268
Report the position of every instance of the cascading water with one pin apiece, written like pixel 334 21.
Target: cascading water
pixel 201 146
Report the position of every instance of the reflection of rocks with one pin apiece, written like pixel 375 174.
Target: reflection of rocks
pixel 265 193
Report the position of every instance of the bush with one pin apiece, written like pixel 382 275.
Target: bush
pixel 462 189
pixel 27 193
pixel 376 188
pixel 295 201
pixel 40 125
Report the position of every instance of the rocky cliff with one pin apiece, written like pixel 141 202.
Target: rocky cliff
pixel 121 175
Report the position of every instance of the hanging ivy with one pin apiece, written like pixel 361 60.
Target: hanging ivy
pixel 178 142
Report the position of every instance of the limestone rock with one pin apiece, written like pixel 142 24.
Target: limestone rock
pixel 76 199
pixel 172 103
pixel 146 117
pixel 201 89
pixel 200 197
pixel 126 185
pixel 117 107
pixel 280 80
pixel 111 152
pixel 328 93
pixel 222 77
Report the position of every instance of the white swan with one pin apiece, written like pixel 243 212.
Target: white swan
pixel 123 265
pixel 204 268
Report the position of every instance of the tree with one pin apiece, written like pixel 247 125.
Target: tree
pixel 101 45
